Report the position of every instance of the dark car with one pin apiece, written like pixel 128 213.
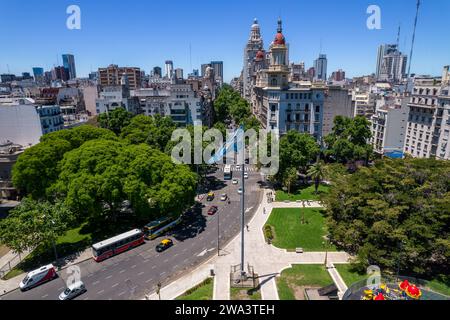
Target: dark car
pixel 164 245
pixel 212 210
pixel 210 196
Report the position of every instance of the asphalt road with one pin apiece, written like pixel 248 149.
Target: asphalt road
pixel 136 272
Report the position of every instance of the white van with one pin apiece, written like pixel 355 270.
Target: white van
pixel 38 277
pixel 73 291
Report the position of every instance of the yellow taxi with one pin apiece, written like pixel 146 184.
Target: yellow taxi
pixel 164 245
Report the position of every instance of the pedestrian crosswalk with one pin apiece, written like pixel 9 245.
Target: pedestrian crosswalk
pixel 249 168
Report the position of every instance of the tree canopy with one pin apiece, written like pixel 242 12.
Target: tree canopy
pixel 37 168
pixel 115 120
pixel 395 212
pixel 349 140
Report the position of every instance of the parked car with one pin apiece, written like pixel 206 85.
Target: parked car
pixel 238 167
pixel 210 196
pixel 245 175
pixel 212 210
pixel 235 181
pixel 72 291
pixel 223 197
pixel 164 245
pixel 240 190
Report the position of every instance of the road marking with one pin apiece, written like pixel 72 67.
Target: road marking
pixel 149 280
pixel 115 285
pixel 153 267
pixel 165 261
pixel 60 288
pixel 175 255
pixel 185 250
pixel 96 282
pixel 133 266
pixel 122 271
pixel 140 273
pixel 146 260
pixel 90 275
pixel 44 296
pixel 101 291
pixel 122 293
pixel 109 277
pixel 162 273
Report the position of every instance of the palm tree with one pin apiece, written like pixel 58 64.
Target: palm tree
pixel 317 172
pixel 290 178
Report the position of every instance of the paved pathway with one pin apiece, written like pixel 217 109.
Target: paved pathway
pixel 267 260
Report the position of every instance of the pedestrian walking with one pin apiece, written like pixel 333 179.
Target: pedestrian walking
pixel 248 228
pixel 264 211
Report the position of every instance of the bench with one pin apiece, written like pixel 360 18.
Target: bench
pixel 298 250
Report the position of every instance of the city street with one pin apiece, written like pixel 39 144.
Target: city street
pixel 136 272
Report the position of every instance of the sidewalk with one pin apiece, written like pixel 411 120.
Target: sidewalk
pixel 13 284
pixel 267 260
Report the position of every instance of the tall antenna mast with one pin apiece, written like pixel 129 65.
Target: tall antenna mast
pixel 398 37
pixel 413 38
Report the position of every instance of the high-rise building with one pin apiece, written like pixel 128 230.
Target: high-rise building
pixel 254 45
pixel 179 74
pixel 391 63
pixel 157 72
pixel 338 75
pixel 69 64
pixel 38 73
pixel 218 70
pixel 203 69
pixel 169 69
pixel 320 66
pixel 60 73
pixel 338 102
pixel 7 78
pixel 111 76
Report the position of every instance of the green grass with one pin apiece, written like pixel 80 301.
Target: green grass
pixel 203 291
pixel 244 294
pixel 71 242
pixel 303 193
pixel 291 233
pixel 301 275
pixel 439 286
pixel 348 274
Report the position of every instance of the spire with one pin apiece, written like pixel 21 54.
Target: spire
pixel 280 28
pixel 255 21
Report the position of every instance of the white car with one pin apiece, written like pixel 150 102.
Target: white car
pixel 38 277
pixel 245 175
pixel 223 197
pixel 72 291
pixel 240 190
pixel 238 167
pixel 235 181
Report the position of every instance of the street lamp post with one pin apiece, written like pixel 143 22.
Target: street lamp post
pixel 218 234
pixel 325 244
pixel 158 290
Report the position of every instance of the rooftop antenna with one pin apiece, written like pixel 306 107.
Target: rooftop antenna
pixel 320 50
pixel 413 38
pixel 7 66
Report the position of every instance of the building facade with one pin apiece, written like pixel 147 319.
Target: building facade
pixel 282 105
pixel 254 45
pixel 69 64
pixel 51 118
pixel 338 102
pixel 111 76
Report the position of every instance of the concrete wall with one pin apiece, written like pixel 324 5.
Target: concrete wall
pixel 20 124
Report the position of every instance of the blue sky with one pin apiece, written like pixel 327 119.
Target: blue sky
pixel 146 33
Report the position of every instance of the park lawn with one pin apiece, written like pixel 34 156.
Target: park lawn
pixel 290 233
pixel 203 291
pixel 244 294
pixel 293 281
pixel 349 275
pixel 303 193
pixel 71 242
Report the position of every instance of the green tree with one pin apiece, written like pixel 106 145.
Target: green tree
pixel 155 131
pixel 115 120
pixel 289 178
pixel 37 168
pixel 34 223
pixel 349 140
pixel 317 173
pixel 297 150
pixel 395 213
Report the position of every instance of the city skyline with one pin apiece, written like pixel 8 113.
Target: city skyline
pixel 212 37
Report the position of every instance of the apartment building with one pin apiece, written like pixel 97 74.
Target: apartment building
pixel 111 76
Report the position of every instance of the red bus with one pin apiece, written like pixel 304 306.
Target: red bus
pixel 118 244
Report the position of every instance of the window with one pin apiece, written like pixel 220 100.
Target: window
pixel 317 108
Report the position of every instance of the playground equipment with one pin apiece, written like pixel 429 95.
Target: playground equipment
pixel 385 291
